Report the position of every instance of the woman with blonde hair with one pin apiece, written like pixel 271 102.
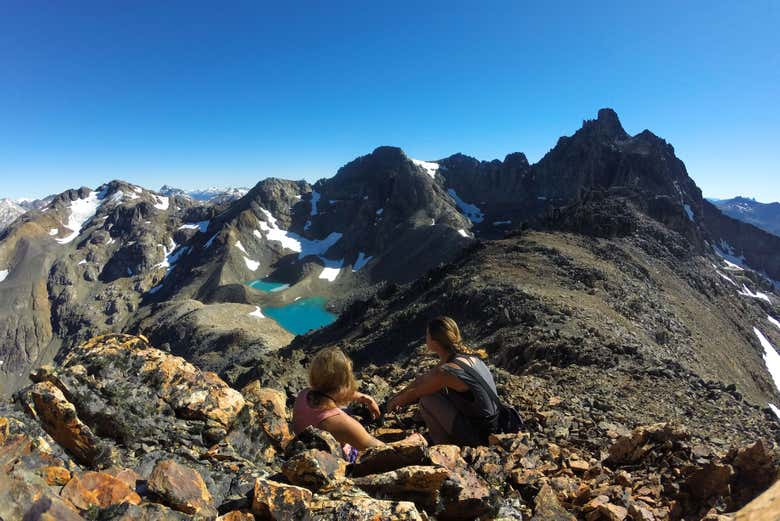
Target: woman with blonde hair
pixel 332 385
pixel 455 397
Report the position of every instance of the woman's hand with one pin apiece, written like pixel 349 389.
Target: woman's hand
pixel 394 403
pixel 369 402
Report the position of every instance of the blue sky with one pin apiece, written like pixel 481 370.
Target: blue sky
pixel 198 94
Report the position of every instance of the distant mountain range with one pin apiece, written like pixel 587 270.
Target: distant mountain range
pixel 763 215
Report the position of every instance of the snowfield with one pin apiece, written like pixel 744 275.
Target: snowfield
pixel 772 361
pixel 471 211
pixel 361 261
pixel 81 211
pixel 428 167
pixel 3 275
pixel 162 202
pixel 256 313
pixel 200 225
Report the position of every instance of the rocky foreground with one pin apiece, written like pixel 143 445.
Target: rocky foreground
pixel 122 430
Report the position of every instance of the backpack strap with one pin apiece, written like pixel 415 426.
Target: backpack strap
pixel 476 376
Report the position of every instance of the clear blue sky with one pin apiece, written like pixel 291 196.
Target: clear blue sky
pixel 195 94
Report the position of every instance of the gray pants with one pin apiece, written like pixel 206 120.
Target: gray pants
pixel 446 424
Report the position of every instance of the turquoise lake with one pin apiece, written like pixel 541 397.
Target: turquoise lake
pixel 267 285
pixel 301 316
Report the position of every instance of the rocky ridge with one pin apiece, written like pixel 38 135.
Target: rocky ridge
pixel 122 430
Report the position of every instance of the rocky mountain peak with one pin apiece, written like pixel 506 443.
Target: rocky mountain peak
pixel 607 124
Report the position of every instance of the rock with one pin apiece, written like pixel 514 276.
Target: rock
pixel 389 457
pixel 548 508
pixel 765 507
pixel 633 447
pixel 464 495
pixel 274 500
pixel 237 515
pixel 314 469
pixel 709 480
pixel 98 489
pixel 270 406
pixel 447 456
pixel 612 512
pixel 50 509
pixel 58 417
pixel 415 478
pixel 755 469
pixel 55 475
pixel 142 512
pixel 4 429
pixel 578 465
pixel 181 488
pixel 313 438
pixel 640 512
pixel 352 508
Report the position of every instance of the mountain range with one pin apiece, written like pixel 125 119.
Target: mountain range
pixel 762 215
pixel 598 274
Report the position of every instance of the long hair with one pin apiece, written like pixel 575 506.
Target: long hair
pixel 446 332
pixel 330 371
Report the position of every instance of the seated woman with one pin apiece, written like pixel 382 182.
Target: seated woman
pixel 456 407
pixel 332 386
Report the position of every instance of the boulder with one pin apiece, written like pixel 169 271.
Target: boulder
pixel 314 469
pixel 273 500
pixel 313 438
pixel 634 446
pixel 709 480
pixel 359 508
pixel 237 515
pixel 181 488
pixel 58 417
pixel 271 408
pixel 765 507
pixel 548 508
pixel 416 479
pixel 54 475
pixel 385 458
pixel 90 489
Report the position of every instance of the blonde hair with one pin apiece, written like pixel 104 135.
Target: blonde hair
pixel 446 332
pixel 330 371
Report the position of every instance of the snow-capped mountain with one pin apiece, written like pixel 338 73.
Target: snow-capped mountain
pixel 9 211
pixel 763 215
pixel 214 195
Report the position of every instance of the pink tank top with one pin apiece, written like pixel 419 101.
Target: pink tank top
pixel 305 415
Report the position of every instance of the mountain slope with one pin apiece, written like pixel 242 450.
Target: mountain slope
pixel 761 215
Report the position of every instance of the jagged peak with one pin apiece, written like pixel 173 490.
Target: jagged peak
pixel 608 123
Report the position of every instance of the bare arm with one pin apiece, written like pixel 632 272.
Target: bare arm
pixel 346 429
pixel 426 384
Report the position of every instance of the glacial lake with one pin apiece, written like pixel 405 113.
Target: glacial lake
pixel 267 285
pixel 301 316
pixel 298 317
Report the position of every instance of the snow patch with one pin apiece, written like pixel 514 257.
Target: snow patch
pixel 256 313
pixel 83 261
pixel 202 226
pixel 774 410
pixel 747 293
pixel 315 198
pixel 241 247
pixel 81 211
pixel 727 278
pixel 138 189
pixel 464 233
pixel 688 211
pixel 771 358
pixel 380 211
pixel 53 231
pixel 172 256
pixel 473 213
pixel 251 264
pixel 501 223
pixel 361 261
pixel 3 275
pixel 293 241
pixel 429 167
pixel 726 251
pixel 773 321
pixel 162 202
